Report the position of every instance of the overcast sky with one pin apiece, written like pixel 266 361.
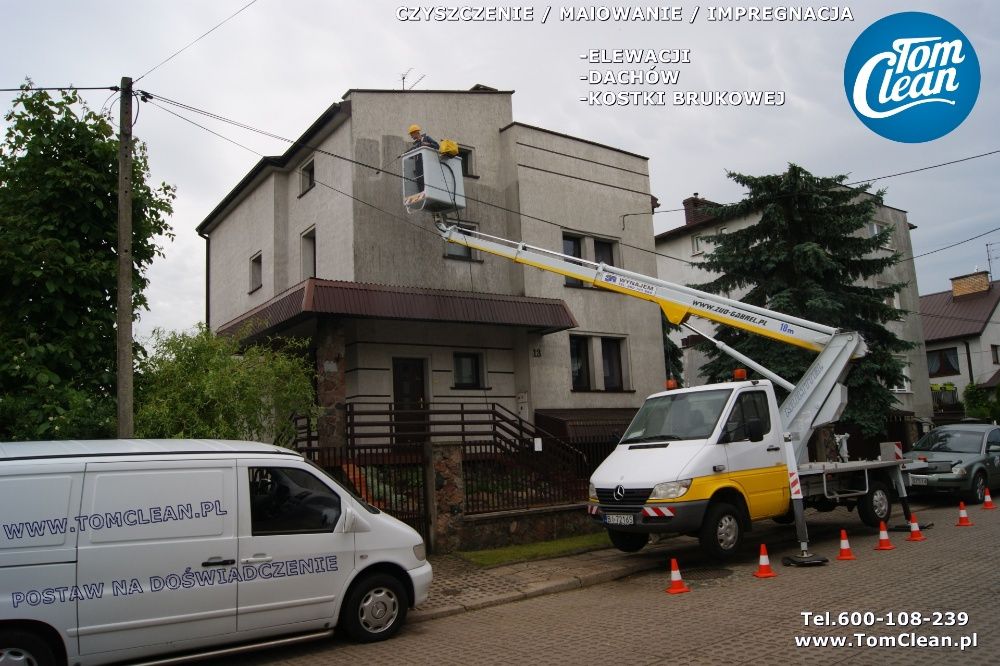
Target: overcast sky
pixel 278 65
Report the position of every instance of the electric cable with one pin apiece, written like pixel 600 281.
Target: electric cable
pixel 185 48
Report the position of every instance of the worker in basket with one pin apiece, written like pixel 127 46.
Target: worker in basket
pixel 420 139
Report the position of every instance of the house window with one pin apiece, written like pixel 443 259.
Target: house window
pixel 579 360
pixel 697 244
pixel 256 272
pixel 904 385
pixel 700 242
pixel 462 252
pixel 995 351
pixel 469 371
pixel 309 254
pixel 611 353
pixel 875 228
pixel 604 252
pixel 943 362
pixel 307 177
pixel 573 246
pixel 468 166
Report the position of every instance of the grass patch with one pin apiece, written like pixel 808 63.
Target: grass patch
pixel 537 551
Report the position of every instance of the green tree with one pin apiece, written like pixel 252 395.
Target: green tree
pixel 806 257
pixel 672 357
pixel 202 385
pixel 58 238
pixel 981 403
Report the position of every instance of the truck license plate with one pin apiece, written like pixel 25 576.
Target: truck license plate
pixel 619 519
pixel 918 480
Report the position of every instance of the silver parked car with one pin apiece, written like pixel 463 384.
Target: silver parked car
pixel 963 458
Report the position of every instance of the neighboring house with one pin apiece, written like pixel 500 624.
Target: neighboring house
pixel 316 243
pixel 689 243
pixel 962 331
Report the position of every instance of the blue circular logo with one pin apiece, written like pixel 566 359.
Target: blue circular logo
pixel 912 77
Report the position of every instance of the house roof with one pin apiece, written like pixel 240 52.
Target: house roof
pixel 375 301
pixel 946 317
pixel 574 138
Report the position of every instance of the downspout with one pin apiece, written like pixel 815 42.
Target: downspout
pixel 968 357
pixel 208 275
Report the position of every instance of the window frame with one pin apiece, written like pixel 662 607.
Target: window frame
pixel 256 273
pixel 582 343
pixel 468 165
pixel 479 368
pixel 307 248
pixel 618 351
pixel 307 176
pixel 462 252
pixel 943 352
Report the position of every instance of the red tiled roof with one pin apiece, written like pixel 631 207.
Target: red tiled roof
pixel 375 301
pixel 945 317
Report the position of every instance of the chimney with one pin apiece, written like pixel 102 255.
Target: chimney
pixel 695 209
pixel 973 283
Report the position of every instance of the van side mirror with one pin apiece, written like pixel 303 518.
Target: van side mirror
pixel 754 429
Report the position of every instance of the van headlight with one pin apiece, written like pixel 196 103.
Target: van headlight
pixel 958 470
pixel 592 491
pixel 670 489
pixel 420 552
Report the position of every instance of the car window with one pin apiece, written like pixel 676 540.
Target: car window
pixel 285 500
pixel 994 438
pixel 951 441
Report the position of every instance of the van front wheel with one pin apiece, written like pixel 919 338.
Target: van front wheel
pixel 22 647
pixel 721 532
pixel 375 609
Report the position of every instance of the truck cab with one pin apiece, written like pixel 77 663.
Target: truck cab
pixel 687 453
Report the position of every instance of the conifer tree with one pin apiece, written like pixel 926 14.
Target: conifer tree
pixel 809 256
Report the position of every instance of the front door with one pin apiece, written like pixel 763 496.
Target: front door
pixel 409 400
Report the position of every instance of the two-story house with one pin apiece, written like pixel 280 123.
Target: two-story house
pixel 316 243
pixel 962 331
pixel 688 243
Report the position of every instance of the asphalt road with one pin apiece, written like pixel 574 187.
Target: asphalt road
pixel 889 607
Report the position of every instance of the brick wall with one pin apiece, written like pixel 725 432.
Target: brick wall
pixel 970 284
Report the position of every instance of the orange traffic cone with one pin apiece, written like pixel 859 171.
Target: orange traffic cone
pixel 677 585
pixel 963 516
pixel 883 538
pixel 845 547
pixel 764 568
pixel 988 503
pixel 915 534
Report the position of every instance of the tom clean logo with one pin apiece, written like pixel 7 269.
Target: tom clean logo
pixel 912 77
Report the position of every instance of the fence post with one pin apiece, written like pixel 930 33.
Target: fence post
pixel 447 485
pixel 430 496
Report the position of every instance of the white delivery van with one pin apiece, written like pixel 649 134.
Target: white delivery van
pixel 122 549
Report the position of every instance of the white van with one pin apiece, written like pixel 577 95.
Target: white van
pixel 118 550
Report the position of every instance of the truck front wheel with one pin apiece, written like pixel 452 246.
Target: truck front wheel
pixel 722 531
pixel 876 506
pixel 628 542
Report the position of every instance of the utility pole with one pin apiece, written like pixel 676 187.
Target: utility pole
pixel 124 307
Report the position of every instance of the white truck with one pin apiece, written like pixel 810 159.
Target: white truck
pixel 711 460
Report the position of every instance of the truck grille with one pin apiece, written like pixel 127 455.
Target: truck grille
pixel 632 496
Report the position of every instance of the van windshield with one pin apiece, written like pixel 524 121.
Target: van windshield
pixel 677 416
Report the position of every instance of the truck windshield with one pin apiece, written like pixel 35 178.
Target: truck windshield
pixel 677 416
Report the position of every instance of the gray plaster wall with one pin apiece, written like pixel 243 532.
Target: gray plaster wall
pixel 246 230
pixel 392 247
pixel 584 189
pixel 323 209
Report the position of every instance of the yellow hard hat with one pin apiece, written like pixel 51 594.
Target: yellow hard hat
pixel 413 128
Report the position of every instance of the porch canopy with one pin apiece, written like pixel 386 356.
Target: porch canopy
pixel 314 297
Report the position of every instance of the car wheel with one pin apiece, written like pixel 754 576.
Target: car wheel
pixel 375 609
pixel 23 648
pixel 628 542
pixel 722 531
pixel 876 506
pixel 977 491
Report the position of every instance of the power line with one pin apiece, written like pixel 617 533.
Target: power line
pixel 185 48
pixel 436 235
pixel 538 219
pixel 27 88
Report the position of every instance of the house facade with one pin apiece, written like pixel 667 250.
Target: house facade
pixel 962 331
pixel 316 243
pixel 688 243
